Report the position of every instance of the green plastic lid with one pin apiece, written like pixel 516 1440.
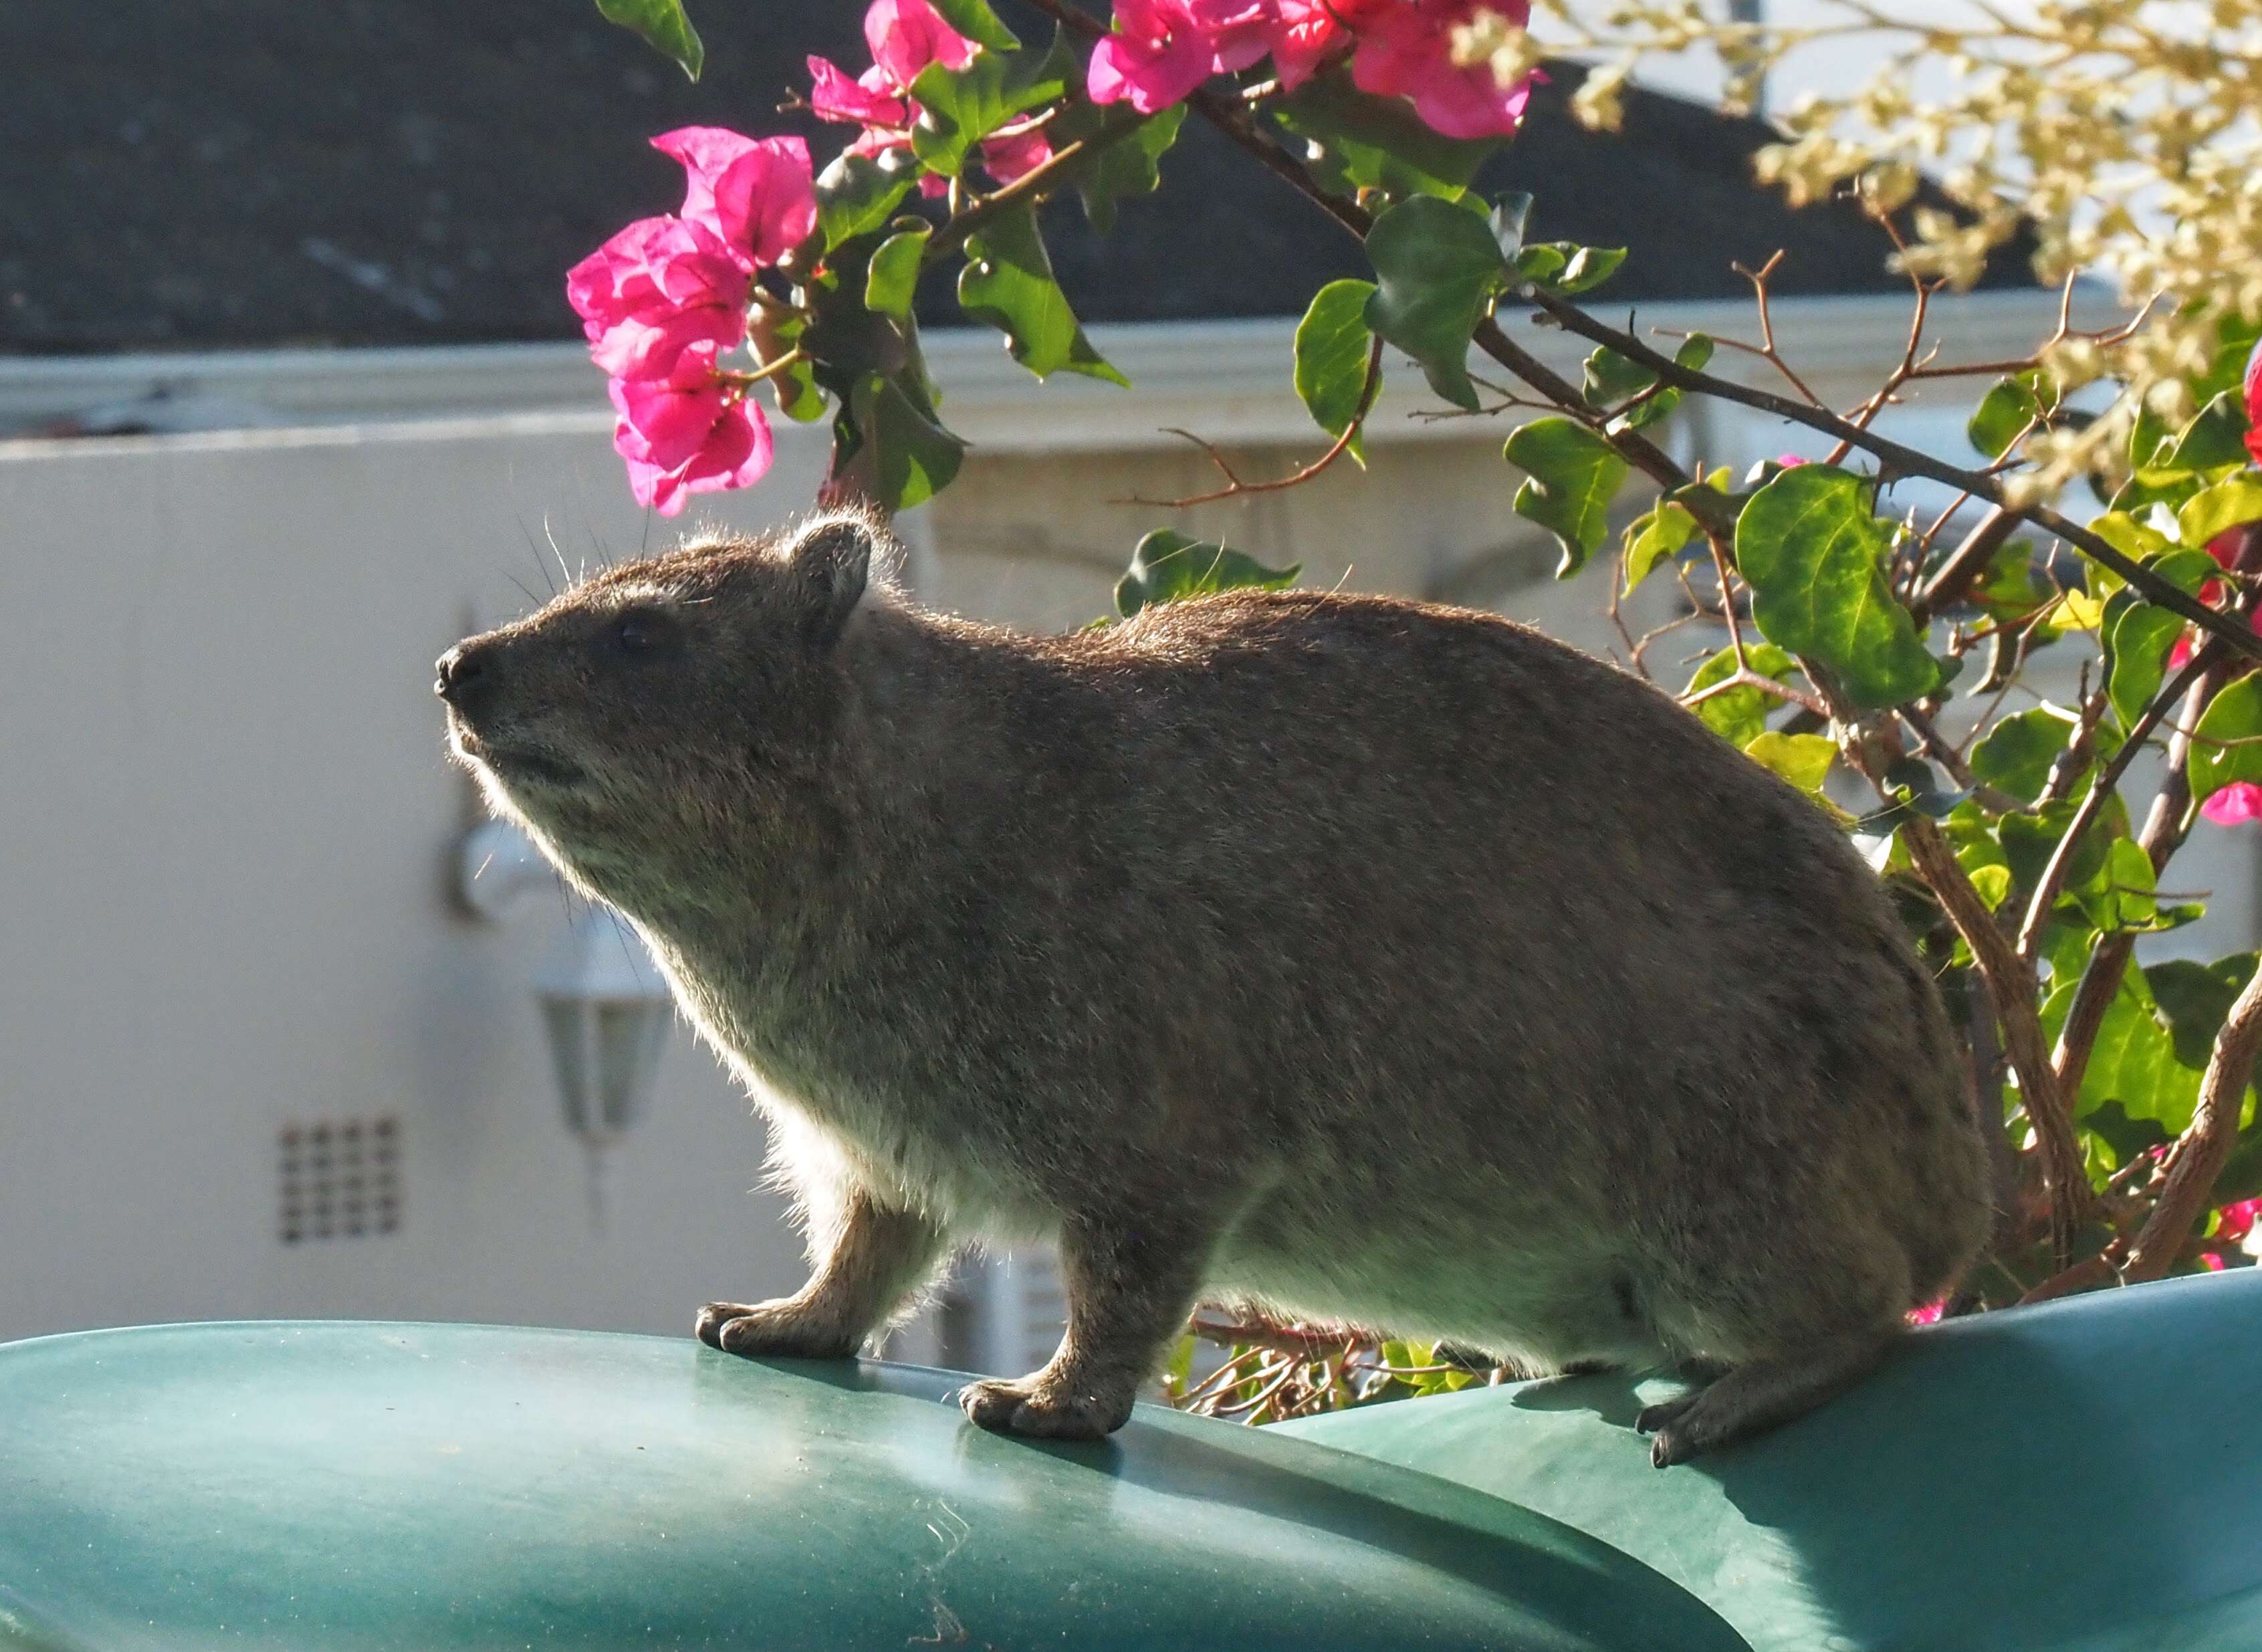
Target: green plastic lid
pixel 2086 1474
pixel 400 1486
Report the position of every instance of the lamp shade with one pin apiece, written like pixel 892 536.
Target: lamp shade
pixel 606 1010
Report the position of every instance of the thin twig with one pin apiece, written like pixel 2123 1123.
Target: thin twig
pixel 1235 487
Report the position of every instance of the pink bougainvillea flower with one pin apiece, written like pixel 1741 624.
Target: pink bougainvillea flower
pixel 1304 34
pixel 759 194
pixel 2235 804
pixel 689 432
pixel 1162 49
pixel 869 100
pixel 2254 403
pixel 659 287
pixel 1016 155
pixel 1407 51
pixel 2237 1220
pixel 2223 547
pixel 907 35
pixel 904 36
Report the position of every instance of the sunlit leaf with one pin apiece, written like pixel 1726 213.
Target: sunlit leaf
pixel 1008 282
pixel 1168 566
pixel 1333 341
pixel 663 26
pixel 1438 267
pixel 1572 477
pixel 1813 556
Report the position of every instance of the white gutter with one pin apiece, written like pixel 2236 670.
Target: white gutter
pixel 1229 380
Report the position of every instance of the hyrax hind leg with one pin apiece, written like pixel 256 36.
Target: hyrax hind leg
pixel 877 1257
pixel 1758 1394
pixel 1132 1278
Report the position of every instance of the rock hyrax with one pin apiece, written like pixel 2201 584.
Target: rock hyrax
pixel 1358 959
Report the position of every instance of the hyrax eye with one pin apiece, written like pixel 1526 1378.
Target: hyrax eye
pixel 636 631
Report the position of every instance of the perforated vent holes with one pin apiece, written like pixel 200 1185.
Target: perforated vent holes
pixel 340 1178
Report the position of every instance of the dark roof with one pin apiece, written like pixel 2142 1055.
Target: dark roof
pixel 213 173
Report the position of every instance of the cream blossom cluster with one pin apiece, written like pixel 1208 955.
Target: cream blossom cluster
pixel 2124 132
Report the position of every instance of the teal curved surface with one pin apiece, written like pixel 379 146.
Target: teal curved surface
pixel 2084 1476
pixel 440 1487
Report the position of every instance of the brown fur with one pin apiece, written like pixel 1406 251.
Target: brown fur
pixel 1360 959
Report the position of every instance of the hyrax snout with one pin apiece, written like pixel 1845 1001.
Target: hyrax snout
pixel 1353 958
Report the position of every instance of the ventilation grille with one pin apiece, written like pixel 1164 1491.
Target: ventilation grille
pixel 340 1178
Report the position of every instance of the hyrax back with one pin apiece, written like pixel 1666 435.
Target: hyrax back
pixel 1362 960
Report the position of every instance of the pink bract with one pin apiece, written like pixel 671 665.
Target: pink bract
pixel 907 35
pixel 2235 804
pixel 2254 403
pixel 1152 60
pixel 1304 34
pixel 759 194
pixel 868 100
pixel 1010 158
pixel 687 434
pixel 659 288
pixel 1408 52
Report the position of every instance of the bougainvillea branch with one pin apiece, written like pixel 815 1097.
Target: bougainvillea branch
pixel 1838 627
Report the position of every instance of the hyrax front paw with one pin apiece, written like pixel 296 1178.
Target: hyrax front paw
pixel 786 1327
pixel 1043 1410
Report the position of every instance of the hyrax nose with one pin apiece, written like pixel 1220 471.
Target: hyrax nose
pixel 466 677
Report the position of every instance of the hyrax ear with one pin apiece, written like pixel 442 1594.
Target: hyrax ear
pixel 833 563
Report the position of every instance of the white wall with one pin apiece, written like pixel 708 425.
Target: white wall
pixel 225 817
pixel 226 820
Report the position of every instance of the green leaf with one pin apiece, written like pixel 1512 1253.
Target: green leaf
pixel 663 26
pixel 960 107
pixel 2154 486
pixel 2215 437
pixel 1991 884
pixel 2133 1061
pixel 1131 165
pixel 1540 262
pixel 974 19
pixel 1179 1365
pixel 2018 752
pixel 1738 715
pixel 1369 142
pixel 2142 638
pixel 887 440
pixel 1008 282
pixel 1566 268
pixel 1573 476
pixel 2029 840
pixel 1168 566
pixel 1333 341
pixel 1439 267
pixel 1658 536
pixel 2227 504
pixel 1612 378
pixel 2196 998
pixel 2125 899
pixel 2233 716
pixel 855 195
pixel 1813 556
pixel 2003 414
pixel 892 278
pixel 1804 759
pixel 794 390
